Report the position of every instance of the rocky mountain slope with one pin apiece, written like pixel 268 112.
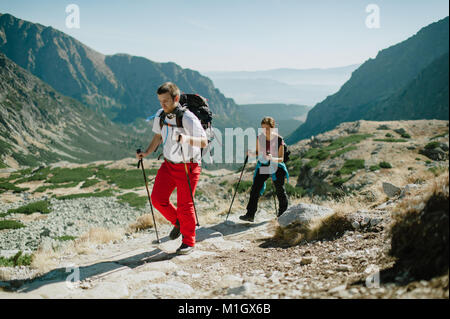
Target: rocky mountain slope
pixel 120 85
pixel 39 125
pixel 400 81
pixel 232 259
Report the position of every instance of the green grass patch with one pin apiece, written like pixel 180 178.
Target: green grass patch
pixel 339 181
pixel 223 183
pixel 133 200
pixel 374 168
pixel 42 189
pixel 317 153
pixel 40 206
pixel 350 166
pixel 67 175
pixel 311 164
pixel 39 175
pixel 65 238
pixel 25 160
pixel 243 186
pixel 344 141
pixel 294 167
pixel 294 191
pixel 125 179
pixel 343 151
pixel 11 187
pixel 10 224
pixel 18 259
pixel 105 193
pixel 402 133
pixel 439 135
pixel 390 140
pixel 437 170
pixel 90 182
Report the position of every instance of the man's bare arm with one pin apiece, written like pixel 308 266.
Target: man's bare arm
pixel 157 138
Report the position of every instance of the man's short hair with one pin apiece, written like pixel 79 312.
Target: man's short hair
pixel 170 88
pixel 269 121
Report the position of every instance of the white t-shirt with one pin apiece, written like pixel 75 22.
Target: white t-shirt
pixel 171 148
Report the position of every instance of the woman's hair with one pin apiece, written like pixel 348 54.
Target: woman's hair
pixel 269 121
pixel 170 88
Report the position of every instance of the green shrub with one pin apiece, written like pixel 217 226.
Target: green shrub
pixel 439 135
pixel 294 191
pixel 389 135
pixel 374 168
pixel 89 183
pixel 294 167
pixel 10 224
pixel 223 183
pixel 431 145
pixel 40 206
pixel 339 181
pixel 243 186
pixel 385 165
pixel 17 260
pixel 351 165
pixel 390 140
pixel 133 200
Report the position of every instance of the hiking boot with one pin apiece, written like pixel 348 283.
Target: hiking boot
pixel 175 233
pixel 247 218
pixel 184 249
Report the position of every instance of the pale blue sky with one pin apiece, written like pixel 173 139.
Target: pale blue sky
pixel 236 35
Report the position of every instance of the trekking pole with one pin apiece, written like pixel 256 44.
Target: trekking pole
pixel 245 162
pixel 189 183
pixel 141 164
pixel 274 199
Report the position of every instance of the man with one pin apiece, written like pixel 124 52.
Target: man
pixel 181 146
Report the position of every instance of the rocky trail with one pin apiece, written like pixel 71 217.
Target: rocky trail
pixel 232 259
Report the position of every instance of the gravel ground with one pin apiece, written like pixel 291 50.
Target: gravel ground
pixel 72 217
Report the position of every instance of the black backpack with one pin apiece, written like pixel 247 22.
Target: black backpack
pixel 198 105
pixel 287 152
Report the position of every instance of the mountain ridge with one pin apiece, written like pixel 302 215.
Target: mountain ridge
pixel 376 80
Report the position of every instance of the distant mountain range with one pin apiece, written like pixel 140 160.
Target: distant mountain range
pixel 406 81
pixel 292 86
pixel 122 86
pixel 39 125
pixel 287 116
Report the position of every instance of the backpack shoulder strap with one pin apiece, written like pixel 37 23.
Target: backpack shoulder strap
pixel 179 112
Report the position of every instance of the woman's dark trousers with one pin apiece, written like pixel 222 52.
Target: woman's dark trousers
pixel 258 183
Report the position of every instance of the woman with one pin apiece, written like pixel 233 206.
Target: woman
pixel 270 153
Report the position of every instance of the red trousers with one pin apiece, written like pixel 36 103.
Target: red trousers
pixel 169 177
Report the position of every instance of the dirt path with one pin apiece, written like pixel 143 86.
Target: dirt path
pixel 231 260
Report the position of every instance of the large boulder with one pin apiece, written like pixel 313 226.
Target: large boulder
pixel 303 214
pixel 436 151
pixel 391 190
